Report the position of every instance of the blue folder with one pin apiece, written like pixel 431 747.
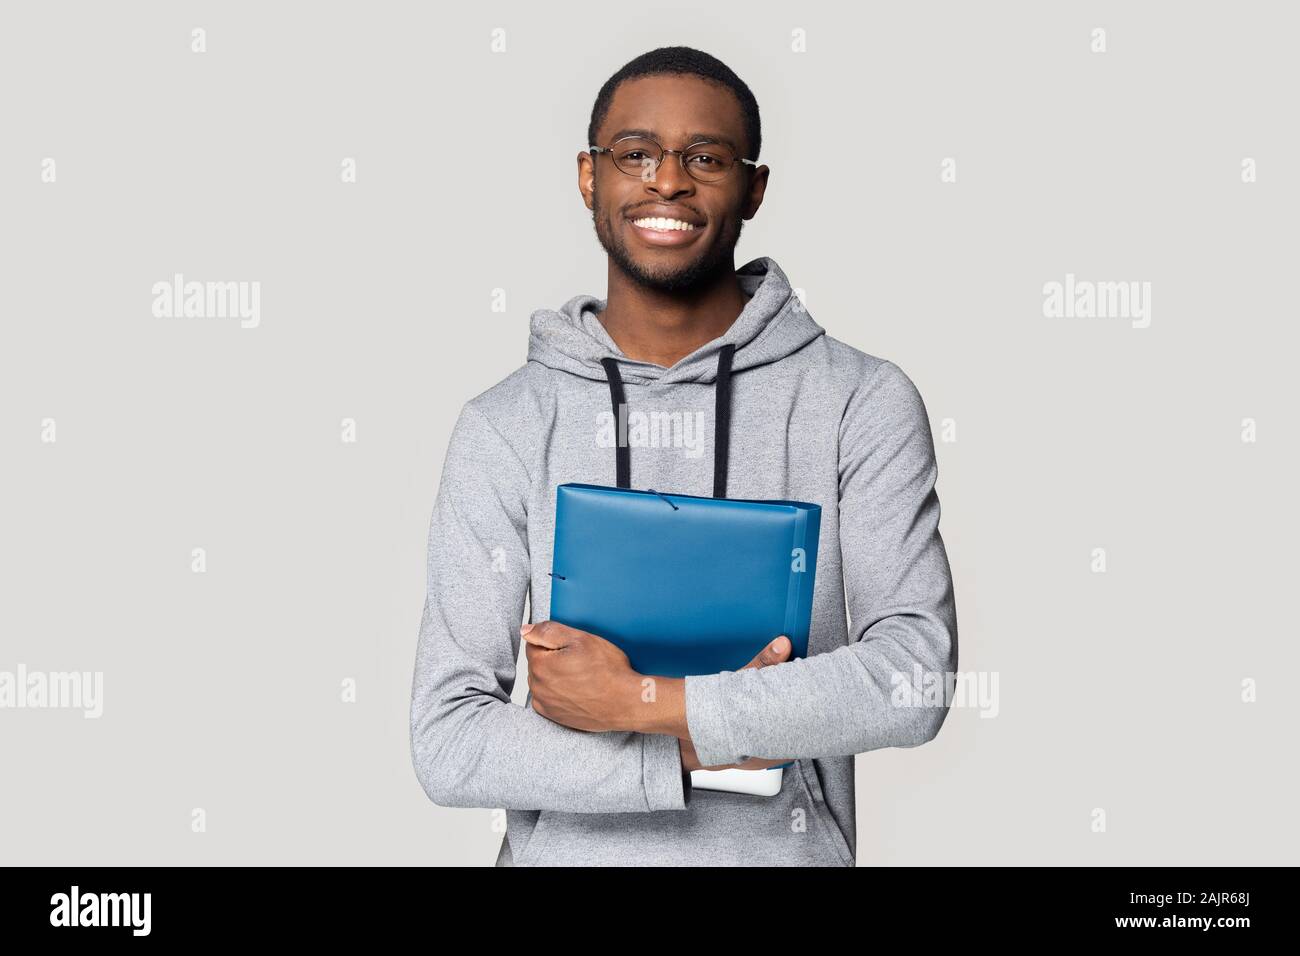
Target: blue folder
pixel 684 584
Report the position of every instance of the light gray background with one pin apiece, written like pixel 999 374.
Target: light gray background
pixel 1119 691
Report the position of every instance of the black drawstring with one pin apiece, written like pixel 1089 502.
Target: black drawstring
pixel 721 422
pixel 622 454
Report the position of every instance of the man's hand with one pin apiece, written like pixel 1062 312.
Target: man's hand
pixel 578 679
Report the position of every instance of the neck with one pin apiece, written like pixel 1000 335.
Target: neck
pixel 661 327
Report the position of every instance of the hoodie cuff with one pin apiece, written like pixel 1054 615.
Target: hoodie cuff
pixel 706 720
pixel 667 784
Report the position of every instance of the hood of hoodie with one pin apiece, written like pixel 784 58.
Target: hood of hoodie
pixel 772 325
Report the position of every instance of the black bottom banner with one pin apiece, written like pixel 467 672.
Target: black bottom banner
pixel 337 905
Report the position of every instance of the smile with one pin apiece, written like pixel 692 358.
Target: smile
pixel 657 231
pixel 663 225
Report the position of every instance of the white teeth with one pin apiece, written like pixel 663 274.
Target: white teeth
pixel 663 224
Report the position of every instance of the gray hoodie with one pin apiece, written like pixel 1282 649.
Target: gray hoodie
pixel 811 419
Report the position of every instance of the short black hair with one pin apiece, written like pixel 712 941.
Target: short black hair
pixel 681 61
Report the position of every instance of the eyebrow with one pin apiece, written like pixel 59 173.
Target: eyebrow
pixel 691 138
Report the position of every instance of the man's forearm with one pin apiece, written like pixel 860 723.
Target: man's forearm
pixel 660 707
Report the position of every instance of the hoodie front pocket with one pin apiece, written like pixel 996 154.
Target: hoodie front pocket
pixel 812 789
pixel 536 839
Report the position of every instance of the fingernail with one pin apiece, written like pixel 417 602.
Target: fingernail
pixel 525 628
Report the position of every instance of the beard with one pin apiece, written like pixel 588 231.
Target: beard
pixel 684 278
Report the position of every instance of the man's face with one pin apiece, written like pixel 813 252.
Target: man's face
pixel 678 111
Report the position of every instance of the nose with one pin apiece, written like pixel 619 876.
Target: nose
pixel 670 179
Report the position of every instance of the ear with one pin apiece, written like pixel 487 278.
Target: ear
pixel 587 178
pixel 756 190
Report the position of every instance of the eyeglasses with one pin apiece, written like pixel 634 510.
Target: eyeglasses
pixel 704 162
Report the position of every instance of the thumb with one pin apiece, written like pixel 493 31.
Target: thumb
pixel 776 652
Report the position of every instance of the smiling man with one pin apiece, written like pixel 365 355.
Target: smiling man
pixel 589 771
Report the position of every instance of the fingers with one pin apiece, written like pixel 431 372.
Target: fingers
pixel 547 634
pixel 776 652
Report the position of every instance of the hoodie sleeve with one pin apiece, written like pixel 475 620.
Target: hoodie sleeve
pixel 471 745
pixel 901 608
